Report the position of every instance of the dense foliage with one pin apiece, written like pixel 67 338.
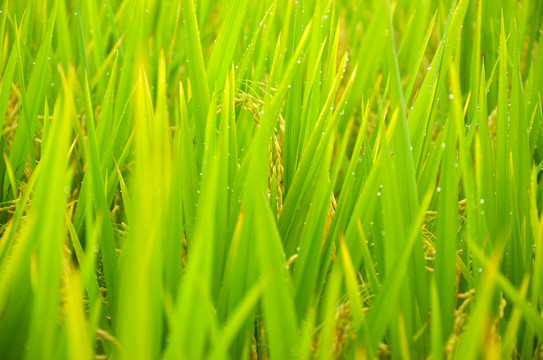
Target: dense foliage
pixel 187 179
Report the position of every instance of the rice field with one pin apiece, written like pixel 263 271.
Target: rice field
pixel 272 179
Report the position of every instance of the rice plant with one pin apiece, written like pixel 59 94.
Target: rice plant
pixel 243 179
